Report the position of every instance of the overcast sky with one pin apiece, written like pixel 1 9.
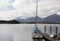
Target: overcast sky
pixel 10 9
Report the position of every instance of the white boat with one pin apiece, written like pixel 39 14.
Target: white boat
pixel 37 33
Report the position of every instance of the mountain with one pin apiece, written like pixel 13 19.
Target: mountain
pixel 30 19
pixel 52 18
pixel 33 19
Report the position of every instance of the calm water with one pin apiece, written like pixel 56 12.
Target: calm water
pixel 21 32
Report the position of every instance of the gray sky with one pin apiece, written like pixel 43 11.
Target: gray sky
pixel 10 9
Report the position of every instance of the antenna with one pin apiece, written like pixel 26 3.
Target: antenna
pixel 36 13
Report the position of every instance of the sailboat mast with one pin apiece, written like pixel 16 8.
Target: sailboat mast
pixel 36 13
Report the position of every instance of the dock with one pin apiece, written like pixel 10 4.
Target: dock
pixel 39 36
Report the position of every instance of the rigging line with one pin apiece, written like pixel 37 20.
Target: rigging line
pixel 36 13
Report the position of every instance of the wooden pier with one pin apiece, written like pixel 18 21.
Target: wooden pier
pixel 45 37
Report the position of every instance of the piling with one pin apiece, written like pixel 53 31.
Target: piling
pixel 50 29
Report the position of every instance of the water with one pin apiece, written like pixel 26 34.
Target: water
pixel 22 32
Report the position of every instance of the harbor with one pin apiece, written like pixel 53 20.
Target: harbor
pixel 30 20
pixel 37 35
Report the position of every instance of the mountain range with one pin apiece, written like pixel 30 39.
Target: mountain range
pixel 30 19
pixel 51 18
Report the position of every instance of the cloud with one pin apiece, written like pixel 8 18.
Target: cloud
pixel 11 1
pixel 7 8
pixel 7 5
pixel 27 8
pixel 31 1
pixel 48 11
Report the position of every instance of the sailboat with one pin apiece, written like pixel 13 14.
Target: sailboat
pixel 37 33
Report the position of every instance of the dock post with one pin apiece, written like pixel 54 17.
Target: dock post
pixel 56 33
pixel 50 29
pixel 56 30
pixel 45 29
